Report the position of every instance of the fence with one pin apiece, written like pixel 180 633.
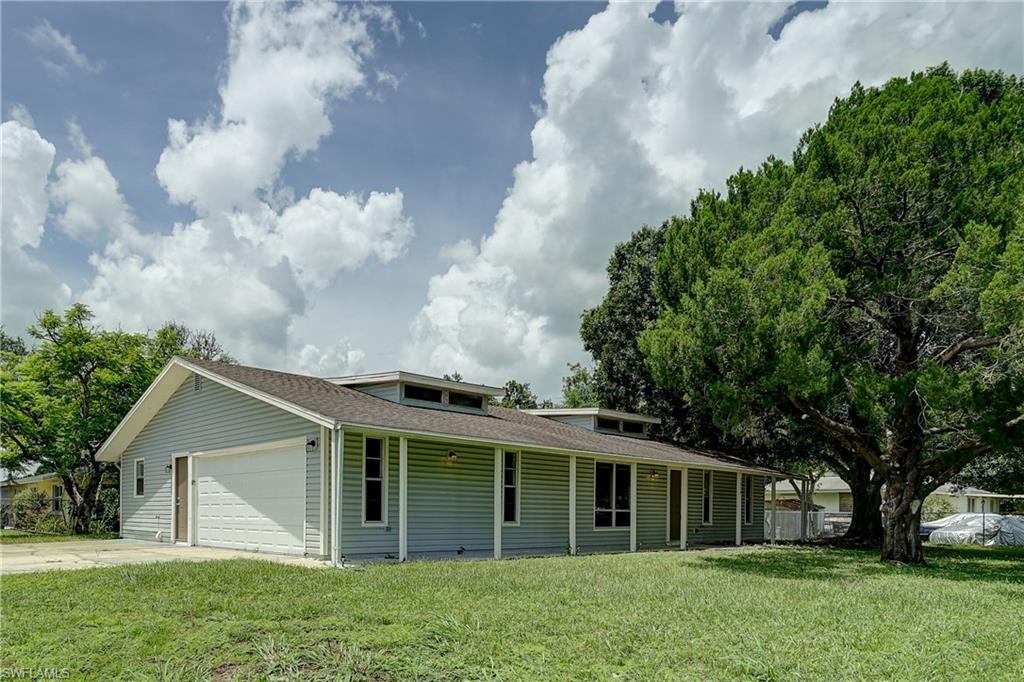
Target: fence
pixel 820 524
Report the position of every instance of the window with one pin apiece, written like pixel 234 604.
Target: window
pixel 610 424
pixel 970 504
pixel 430 395
pixel 706 515
pixel 611 495
pixel 511 488
pixel 58 498
pixel 140 477
pixel 465 400
pixel 632 427
pixel 374 470
pixel 748 500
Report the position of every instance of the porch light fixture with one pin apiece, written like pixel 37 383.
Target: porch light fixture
pixel 654 475
pixel 452 457
pixel 167 469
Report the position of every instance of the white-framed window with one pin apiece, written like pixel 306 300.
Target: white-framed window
pixel 612 492
pixel 57 501
pixel 140 477
pixel 748 499
pixel 425 394
pixel 970 504
pixel 510 488
pixel 707 510
pixel 375 472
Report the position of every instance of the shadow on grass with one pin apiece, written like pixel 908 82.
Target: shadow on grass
pixel 986 564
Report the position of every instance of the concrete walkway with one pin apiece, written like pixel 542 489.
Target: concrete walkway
pixel 33 557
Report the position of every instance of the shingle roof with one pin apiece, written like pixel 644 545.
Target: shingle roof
pixel 352 407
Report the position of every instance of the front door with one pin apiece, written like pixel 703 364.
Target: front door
pixel 181 499
pixel 675 497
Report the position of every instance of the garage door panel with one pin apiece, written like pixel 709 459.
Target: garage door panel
pixel 253 501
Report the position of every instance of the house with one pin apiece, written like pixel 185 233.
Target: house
pixel 400 465
pixel 48 485
pixel 832 493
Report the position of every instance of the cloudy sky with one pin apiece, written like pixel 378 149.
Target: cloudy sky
pixel 435 187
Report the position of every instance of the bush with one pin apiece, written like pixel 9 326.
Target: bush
pixel 106 517
pixel 52 525
pixel 936 507
pixel 28 508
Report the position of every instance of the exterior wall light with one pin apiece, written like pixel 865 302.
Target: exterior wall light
pixel 452 457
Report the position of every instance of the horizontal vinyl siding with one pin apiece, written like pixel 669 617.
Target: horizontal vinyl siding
pixel 723 527
pixel 588 539
pixel 754 532
pixel 451 505
pixel 212 418
pixel 357 539
pixel 313 460
pixel 652 506
pixel 385 391
pixel 543 506
pixel 582 422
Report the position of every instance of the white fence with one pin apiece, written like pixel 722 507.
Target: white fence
pixel 820 524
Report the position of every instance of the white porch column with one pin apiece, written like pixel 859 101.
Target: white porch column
pixel 497 502
pixel 775 517
pixel 337 462
pixel 403 498
pixel 632 507
pixel 192 502
pixel 572 504
pixel 739 509
pixel 803 511
pixel 683 507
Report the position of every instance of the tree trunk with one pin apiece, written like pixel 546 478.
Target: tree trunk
pixel 866 490
pixel 902 538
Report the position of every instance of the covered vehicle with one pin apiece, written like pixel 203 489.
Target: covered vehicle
pixel 928 527
pixel 988 530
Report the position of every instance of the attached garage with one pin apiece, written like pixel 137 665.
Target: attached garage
pixel 253 501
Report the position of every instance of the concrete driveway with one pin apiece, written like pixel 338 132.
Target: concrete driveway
pixel 33 557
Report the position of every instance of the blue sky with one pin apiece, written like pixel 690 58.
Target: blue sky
pixel 474 163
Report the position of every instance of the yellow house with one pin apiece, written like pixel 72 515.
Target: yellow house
pixel 49 485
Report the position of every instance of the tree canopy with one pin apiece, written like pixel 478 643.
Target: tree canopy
pixel 872 290
pixel 62 398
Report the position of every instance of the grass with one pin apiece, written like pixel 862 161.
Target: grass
pixel 759 614
pixel 15 537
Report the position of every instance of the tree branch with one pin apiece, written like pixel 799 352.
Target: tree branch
pixel 845 434
pixel 947 356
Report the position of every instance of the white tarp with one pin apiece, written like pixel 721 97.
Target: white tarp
pixel 981 529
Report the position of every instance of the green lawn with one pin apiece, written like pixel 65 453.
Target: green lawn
pixel 764 614
pixel 14 537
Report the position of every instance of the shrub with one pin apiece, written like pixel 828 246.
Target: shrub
pixel 27 508
pixel 106 517
pixel 52 525
pixel 936 507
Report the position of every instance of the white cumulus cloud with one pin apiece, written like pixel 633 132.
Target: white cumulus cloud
pixel 639 115
pixel 286 65
pixel 249 262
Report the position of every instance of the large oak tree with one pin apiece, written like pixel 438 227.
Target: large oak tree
pixel 882 301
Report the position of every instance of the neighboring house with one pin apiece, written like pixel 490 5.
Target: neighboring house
pixel 231 456
pixel 48 485
pixel 832 493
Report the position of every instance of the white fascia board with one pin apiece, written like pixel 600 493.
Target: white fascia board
pixel 418 379
pixel 592 412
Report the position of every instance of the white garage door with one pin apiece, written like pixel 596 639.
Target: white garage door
pixel 252 501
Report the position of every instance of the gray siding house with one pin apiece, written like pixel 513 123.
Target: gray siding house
pixel 402 466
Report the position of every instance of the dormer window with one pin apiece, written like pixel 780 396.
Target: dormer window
pixel 424 393
pixel 609 424
pixel 633 427
pixel 465 400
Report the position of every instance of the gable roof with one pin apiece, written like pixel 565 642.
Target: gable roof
pixel 330 404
